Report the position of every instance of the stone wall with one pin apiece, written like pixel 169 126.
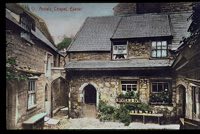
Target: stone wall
pixel 176 6
pixel 125 9
pixel 29 58
pixel 181 81
pixel 90 56
pixel 108 89
pixel 139 50
pixel 19 111
pixel 130 8
pixel 59 93
pixel 27 54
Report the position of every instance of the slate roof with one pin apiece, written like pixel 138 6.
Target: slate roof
pixel 145 25
pixel 124 64
pixel 95 34
pixel 37 33
pixel 40 23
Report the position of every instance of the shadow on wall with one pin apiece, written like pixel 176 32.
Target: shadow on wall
pixel 59 93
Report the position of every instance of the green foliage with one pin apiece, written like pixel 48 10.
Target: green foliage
pixel 11 71
pixel 129 95
pixel 122 114
pixel 160 97
pixel 110 113
pixel 64 43
pixel 105 109
pixel 143 107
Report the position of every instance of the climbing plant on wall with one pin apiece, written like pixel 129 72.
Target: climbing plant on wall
pixel 11 72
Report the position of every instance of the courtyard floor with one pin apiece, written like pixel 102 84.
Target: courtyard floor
pixel 91 123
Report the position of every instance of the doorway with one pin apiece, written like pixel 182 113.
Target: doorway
pixel 89 101
pixel 182 101
pixel 47 101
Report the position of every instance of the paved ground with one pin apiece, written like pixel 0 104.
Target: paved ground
pixel 91 123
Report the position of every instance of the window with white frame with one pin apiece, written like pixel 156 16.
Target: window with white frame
pixel 128 86
pixel 195 102
pixel 31 93
pixel 119 52
pixel 160 92
pixel 159 49
pixel 49 64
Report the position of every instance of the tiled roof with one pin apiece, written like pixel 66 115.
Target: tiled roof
pixel 143 25
pixel 37 33
pixel 124 64
pixel 95 34
pixel 40 23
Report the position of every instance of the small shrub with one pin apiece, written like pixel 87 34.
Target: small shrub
pixel 122 114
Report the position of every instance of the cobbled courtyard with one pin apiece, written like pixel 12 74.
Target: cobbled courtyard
pixel 91 123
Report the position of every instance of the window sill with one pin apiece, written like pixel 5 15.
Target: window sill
pixel 159 58
pixel 160 103
pixel 32 107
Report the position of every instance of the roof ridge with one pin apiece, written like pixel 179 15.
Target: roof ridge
pixel 117 26
pixel 75 37
pixel 102 16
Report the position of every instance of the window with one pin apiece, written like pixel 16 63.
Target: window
pixel 49 64
pixel 160 92
pixel 195 102
pixel 31 93
pixel 159 49
pixel 46 93
pixel 128 86
pixel 119 52
pixel 27 23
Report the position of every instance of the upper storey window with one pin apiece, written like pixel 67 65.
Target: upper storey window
pixel 147 8
pixel 159 49
pixel 119 52
pixel 27 24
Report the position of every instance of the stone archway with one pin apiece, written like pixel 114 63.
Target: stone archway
pixel 89 99
pixel 59 94
pixel 90 95
pixel 181 101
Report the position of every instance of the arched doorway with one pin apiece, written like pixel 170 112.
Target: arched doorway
pixel 182 100
pixel 89 101
pixel 47 101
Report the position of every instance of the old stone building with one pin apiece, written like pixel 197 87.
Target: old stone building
pixel 130 51
pixel 187 70
pixel 31 52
